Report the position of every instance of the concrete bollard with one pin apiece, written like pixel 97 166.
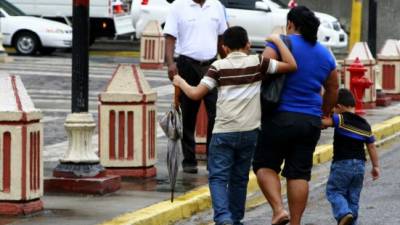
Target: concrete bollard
pixel 127 118
pixel 21 144
pixel 152 47
pixel 389 65
pixel 361 50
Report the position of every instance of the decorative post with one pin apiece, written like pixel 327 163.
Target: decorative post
pixel 152 46
pixel 127 117
pixel 80 170
pixel 389 64
pixel 21 145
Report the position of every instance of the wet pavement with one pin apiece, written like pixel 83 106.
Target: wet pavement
pixel 379 204
pixel 135 193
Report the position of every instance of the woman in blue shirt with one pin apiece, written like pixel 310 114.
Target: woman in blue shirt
pixel 290 134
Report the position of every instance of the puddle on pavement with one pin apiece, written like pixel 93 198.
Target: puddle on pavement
pixel 184 183
pixel 46 213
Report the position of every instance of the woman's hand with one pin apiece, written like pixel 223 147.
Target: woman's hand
pixel 274 38
pixel 177 80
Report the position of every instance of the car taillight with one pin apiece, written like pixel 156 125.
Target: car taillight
pixel 118 9
pixel 145 2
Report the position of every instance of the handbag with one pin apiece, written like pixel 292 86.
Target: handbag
pixel 271 87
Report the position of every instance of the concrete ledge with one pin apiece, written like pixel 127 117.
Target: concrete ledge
pixel 199 199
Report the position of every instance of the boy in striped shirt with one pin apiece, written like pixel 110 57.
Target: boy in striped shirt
pixel 238 79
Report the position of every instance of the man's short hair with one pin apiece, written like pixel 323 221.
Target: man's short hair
pixel 346 98
pixel 235 38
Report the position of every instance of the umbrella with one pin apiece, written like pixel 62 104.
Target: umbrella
pixel 171 124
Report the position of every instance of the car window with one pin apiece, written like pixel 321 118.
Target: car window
pixel 10 9
pixel 278 4
pixel 239 4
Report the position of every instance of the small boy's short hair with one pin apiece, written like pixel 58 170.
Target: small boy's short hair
pixel 235 38
pixel 346 98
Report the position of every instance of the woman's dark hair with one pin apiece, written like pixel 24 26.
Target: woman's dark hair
pixel 305 22
pixel 235 38
pixel 346 98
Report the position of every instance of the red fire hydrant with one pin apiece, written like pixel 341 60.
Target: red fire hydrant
pixel 358 83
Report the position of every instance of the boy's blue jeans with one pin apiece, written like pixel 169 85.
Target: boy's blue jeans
pixel 229 160
pixel 344 187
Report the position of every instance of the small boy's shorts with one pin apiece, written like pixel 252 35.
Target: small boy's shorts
pixel 290 138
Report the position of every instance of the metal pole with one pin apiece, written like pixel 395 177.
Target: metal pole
pixel 80 56
pixel 356 21
pixel 372 25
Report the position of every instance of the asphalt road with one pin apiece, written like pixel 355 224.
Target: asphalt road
pixel 380 200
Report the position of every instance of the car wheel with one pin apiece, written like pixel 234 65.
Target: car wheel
pixel 26 43
pixel 47 51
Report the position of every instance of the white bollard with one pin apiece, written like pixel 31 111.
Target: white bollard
pixel 389 65
pixel 127 118
pixel 21 145
pixel 152 47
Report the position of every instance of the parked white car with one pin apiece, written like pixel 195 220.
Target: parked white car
pixel 259 21
pixel 28 34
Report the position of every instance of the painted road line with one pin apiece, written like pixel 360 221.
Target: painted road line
pixel 47 119
pixel 53 110
pixel 133 54
pixel 163 90
pixel 56 73
pixel 199 199
pixel 130 54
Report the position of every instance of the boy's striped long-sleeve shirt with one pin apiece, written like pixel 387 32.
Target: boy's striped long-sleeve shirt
pixel 238 79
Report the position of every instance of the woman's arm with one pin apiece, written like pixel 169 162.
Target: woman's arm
pixel 194 93
pixel 288 63
pixel 330 95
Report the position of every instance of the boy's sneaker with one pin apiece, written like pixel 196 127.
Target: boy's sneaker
pixel 346 220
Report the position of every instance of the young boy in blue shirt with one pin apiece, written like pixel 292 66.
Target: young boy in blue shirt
pixel 238 80
pixel 346 177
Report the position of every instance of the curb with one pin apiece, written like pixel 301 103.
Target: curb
pixel 199 200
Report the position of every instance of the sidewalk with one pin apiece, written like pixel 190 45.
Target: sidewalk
pixel 135 193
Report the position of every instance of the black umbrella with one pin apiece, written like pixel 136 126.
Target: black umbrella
pixel 171 123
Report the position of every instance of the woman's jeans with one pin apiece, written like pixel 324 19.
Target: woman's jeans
pixel 344 187
pixel 229 160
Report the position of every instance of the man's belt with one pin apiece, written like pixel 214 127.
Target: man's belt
pixel 198 62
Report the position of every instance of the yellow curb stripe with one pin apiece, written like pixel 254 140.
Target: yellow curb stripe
pixel 132 54
pixel 199 199
pixel 10 50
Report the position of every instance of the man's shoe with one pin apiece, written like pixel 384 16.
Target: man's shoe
pixel 346 220
pixel 190 169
